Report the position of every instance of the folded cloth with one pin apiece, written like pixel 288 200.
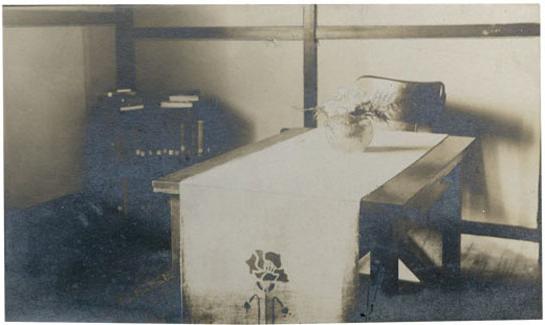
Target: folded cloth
pixel 282 223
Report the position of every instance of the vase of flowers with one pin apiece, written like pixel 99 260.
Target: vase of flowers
pixel 350 116
pixel 346 132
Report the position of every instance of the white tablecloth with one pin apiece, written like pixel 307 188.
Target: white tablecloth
pixel 298 199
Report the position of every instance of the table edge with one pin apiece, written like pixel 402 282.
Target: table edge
pixel 393 193
pixel 169 184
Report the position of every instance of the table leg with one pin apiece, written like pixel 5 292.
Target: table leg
pixel 451 233
pixel 175 226
pixel 384 256
pixel 175 267
pixel 176 256
pixel 451 255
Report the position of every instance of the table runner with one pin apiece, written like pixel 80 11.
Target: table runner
pixel 278 228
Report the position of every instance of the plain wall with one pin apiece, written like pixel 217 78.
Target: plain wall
pixel 259 82
pixel 422 14
pixel 217 15
pixel 51 77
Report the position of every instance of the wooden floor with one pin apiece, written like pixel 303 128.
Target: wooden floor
pixel 111 271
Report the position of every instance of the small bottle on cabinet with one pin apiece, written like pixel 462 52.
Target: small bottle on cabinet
pixel 200 137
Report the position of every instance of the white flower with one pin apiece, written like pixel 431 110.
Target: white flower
pixel 376 101
pixel 346 100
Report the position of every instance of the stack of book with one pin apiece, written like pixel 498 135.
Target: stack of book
pixel 180 101
pixel 126 98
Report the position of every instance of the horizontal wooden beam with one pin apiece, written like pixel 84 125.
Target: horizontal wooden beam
pixel 18 16
pixel 36 17
pixel 426 31
pixel 296 33
pixel 500 231
pixel 281 33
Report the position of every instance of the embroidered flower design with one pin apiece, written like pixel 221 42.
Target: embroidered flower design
pixel 267 269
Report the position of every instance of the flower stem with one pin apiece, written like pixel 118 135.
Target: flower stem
pixel 273 302
pixel 258 310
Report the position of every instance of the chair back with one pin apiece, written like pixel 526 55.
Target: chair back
pixel 418 104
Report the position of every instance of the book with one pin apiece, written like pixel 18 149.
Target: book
pixel 183 98
pixel 170 104
pixel 115 94
pixel 131 108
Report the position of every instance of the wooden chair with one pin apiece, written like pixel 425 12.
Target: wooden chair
pixel 419 104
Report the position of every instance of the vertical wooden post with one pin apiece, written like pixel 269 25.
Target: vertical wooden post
pixel 124 46
pixel 539 226
pixel 310 63
pixel 539 213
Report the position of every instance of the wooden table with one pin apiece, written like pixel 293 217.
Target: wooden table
pixel 419 194
pixel 426 193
